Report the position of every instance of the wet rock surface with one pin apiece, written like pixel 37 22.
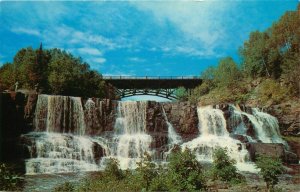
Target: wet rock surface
pixel 183 116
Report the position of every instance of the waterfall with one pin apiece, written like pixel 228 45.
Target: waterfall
pixel 173 137
pixel 130 133
pixel 55 152
pixel 213 134
pixel 59 114
pixel 266 126
pixel 61 141
pixel 53 147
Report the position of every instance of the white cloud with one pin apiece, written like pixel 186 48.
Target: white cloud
pixel 201 23
pixel 99 60
pixel 89 51
pixel 21 30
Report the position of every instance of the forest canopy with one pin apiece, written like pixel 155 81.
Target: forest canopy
pixel 52 71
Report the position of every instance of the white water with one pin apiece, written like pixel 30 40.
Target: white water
pixel 265 125
pixel 60 144
pixel 54 153
pixel 131 138
pixel 213 134
pixel 173 137
pixel 59 114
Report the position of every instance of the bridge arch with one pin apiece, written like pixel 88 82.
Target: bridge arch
pixel 161 86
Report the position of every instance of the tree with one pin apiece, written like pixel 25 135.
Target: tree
pixel 227 73
pixel 181 93
pixel 270 169
pixel 255 55
pixel 223 167
pixel 24 62
pixel 184 171
pixel 146 171
pixel 6 76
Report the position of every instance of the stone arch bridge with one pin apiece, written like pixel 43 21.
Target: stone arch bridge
pixel 161 86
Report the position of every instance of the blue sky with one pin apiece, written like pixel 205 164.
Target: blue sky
pixel 138 37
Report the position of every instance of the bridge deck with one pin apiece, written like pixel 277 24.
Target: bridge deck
pixel 153 82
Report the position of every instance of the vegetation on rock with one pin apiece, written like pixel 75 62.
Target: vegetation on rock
pixel 269 71
pixel 270 169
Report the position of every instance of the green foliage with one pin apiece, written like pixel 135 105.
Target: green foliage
pixel 8 180
pixel 270 169
pixel 226 73
pixel 271 92
pixel 272 54
pixel 6 77
pixel 146 171
pixel 52 71
pixel 223 167
pixel 181 94
pixel 66 187
pixel 184 172
pixel 112 169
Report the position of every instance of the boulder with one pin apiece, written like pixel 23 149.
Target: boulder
pixel 268 149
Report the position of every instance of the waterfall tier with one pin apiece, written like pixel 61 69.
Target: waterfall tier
pixel 74 135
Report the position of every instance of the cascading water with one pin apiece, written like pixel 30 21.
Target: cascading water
pixel 54 153
pixel 173 137
pixel 213 134
pixel 59 114
pixel 60 142
pixel 130 134
pixel 266 126
pixel 53 147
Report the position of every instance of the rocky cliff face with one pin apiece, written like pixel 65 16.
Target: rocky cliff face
pixel 288 115
pixel 183 116
pixel 18 111
pixel 16 117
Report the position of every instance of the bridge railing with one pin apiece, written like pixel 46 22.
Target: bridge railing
pixel 150 77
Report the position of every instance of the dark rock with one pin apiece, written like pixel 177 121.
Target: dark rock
pixel 268 149
pixel 291 158
pixel 103 116
pixel 156 125
pixel 241 138
pixel 98 151
pixel 184 118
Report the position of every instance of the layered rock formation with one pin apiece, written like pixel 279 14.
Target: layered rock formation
pixel 97 117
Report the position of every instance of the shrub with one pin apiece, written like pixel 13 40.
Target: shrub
pixel 146 171
pixel 223 167
pixel 112 169
pixel 8 180
pixel 270 169
pixel 184 172
pixel 271 91
pixel 181 93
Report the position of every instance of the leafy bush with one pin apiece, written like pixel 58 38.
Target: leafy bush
pixel 8 180
pixel 181 94
pixel 66 187
pixel 112 169
pixel 223 167
pixel 271 91
pixel 270 169
pixel 184 172
pixel 146 171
